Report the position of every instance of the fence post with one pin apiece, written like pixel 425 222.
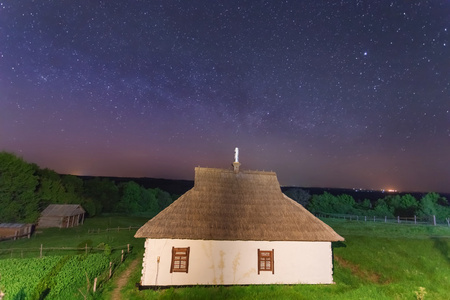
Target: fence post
pixel 448 221
pixel 128 248
pixel 110 269
pixel 434 220
pixel 415 219
pixel 385 219
pixel 121 258
pixel 95 284
pixel 365 218
pixel 398 219
pixel 374 218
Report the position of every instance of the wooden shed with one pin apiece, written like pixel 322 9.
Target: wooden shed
pixel 62 216
pixel 15 230
pixel 236 228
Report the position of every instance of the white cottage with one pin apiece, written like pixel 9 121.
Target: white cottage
pixel 236 228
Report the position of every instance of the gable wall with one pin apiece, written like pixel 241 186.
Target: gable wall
pixel 235 262
pixel 16 231
pixel 60 221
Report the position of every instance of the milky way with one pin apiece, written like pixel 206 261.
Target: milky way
pixel 325 93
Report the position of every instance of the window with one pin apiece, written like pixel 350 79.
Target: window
pixel 265 261
pixel 180 260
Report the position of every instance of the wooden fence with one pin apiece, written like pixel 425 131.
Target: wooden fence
pixel 431 220
pixel 114 229
pixel 14 237
pixel 113 264
pixel 45 251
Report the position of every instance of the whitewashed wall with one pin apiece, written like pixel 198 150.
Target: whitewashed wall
pixel 235 262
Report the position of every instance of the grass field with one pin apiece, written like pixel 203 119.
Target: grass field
pixel 77 237
pixel 376 261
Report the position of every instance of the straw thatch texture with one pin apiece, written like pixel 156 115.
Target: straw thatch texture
pixel 224 205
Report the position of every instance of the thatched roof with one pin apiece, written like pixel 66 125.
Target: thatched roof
pixel 62 210
pixel 228 205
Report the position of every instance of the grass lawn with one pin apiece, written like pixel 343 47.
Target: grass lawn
pixel 376 261
pixel 76 237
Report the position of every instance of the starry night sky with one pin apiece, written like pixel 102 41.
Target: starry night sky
pixel 352 94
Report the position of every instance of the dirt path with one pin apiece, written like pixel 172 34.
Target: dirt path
pixel 123 279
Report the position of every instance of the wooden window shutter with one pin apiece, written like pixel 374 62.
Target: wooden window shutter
pixel 180 260
pixel 259 259
pixel 266 261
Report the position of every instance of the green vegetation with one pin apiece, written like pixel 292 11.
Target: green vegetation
pixel 26 190
pixel 54 277
pixel 78 237
pixel 20 277
pixel 67 274
pixel 376 261
pixel 390 206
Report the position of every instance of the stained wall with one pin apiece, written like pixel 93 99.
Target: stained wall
pixel 235 263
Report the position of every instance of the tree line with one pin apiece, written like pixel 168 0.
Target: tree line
pixel 26 190
pixel 390 206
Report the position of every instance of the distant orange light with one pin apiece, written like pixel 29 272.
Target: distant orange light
pixel 77 172
pixel 389 191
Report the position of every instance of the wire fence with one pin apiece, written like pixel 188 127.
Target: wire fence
pixel 414 220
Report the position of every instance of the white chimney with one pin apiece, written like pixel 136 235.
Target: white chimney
pixel 236 163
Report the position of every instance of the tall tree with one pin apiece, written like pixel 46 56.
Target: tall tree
pixel 299 195
pixel 428 205
pixel 164 198
pixel 404 206
pixel 148 201
pixel 344 204
pixel 382 209
pixel 322 203
pixel 18 183
pixel 51 188
pixel 104 192
pixel 131 196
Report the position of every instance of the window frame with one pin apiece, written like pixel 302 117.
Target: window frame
pixel 262 259
pixel 174 266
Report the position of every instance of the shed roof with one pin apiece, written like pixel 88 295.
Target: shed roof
pixel 229 205
pixel 13 225
pixel 62 210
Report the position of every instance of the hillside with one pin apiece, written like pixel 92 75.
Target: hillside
pixel 376 261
